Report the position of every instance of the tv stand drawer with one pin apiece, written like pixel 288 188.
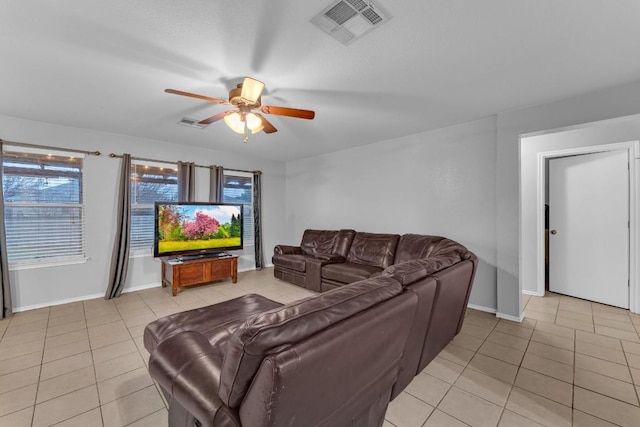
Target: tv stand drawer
pixel 198 271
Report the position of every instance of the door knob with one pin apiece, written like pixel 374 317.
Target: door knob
pixel 553 232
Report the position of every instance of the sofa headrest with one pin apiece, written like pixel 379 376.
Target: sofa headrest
pixel 282 327
pixel 377 250
pixel 411 271
pixel 418 246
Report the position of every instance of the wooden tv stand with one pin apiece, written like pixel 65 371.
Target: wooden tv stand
pixel 197 271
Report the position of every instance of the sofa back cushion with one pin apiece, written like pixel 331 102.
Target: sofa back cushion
pixel 377 250
pixel 318 241
pixel 419 246
pixel 327 242
pixel 279 329
pixel 343 242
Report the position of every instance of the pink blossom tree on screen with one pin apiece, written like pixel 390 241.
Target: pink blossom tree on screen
pixel 201 227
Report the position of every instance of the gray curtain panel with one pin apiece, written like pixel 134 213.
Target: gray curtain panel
pixel 186 181
pixel 5 286
pixel 120 256
pixel 257 219
pixel 216 183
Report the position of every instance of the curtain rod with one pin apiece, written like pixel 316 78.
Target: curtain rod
pixel 49 147
pixel 112 155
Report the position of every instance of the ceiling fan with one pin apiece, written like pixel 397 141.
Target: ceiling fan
pixel 247 97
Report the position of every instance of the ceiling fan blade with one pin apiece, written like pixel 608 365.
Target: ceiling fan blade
pixel 267 126
pixel 251 90
pixel 195 95
pixel 215 118
pixel 289 112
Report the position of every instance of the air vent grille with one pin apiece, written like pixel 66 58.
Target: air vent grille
pixel 348 20
pixel 372 16
pixel 340 13
pixel 186 121
pixel 357 4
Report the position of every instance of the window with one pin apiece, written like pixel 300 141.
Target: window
pixel 43 207
pixel 238 188
pixel 150 182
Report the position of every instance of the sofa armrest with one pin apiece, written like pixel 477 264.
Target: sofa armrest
pixel 313 278
pixel 330 258
pixel 409 272
pixel 287 250
pixel 188 368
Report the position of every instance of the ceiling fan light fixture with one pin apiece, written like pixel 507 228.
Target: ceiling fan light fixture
pixel 235 122
pixel 251 90
pixel 254 123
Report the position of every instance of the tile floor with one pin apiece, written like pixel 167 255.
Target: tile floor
pixel 570 362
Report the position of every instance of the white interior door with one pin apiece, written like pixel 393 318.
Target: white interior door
pixel 589 227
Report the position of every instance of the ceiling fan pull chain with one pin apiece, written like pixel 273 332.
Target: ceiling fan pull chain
pixel 246 132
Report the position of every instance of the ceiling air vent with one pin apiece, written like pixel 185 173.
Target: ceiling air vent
pixel 186 121
pixel 348 20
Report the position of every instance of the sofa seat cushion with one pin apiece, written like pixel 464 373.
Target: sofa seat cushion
pixel 292 262
pixel 280 328
pixel 216 322
pixel 349 272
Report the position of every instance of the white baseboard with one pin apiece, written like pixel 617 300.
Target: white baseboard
pixel 141 287
pixel 532 293
pixel 510 317
pixel 498 315
pixel 481 308
pixel 58 302
pixel 81 298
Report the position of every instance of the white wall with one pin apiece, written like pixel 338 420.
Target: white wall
pixel 49 285
pixel 601 105
pixel 604 133
pixel 440 182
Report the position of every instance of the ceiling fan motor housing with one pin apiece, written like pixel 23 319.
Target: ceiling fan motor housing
pixel 237 100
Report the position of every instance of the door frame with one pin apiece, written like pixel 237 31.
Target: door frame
pixel 633 150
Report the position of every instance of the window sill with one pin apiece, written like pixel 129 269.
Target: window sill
pixel 46 264
pixel 140 255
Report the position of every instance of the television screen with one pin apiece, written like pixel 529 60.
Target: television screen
pixel 196 228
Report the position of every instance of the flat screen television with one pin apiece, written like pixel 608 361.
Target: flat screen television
pixel 196 229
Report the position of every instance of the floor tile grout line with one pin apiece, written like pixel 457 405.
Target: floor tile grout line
pixel 35 397
pixel 93 366
pixel 633 384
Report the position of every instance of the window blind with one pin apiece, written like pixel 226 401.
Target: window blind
pixel 238 189
pixel 150 182
pixel 44 207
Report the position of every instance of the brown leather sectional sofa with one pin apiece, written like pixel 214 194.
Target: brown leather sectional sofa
pixel 438 270
pixel 334 359
pixel 327 259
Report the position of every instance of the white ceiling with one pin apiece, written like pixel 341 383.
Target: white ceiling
pixel 105 64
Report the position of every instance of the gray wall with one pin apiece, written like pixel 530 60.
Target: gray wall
pixel 461 182
pixel 50 285
pixel 440 182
